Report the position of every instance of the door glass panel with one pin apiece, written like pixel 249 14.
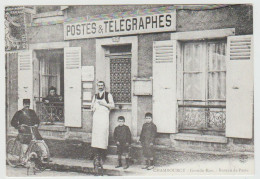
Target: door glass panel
pixel 120 79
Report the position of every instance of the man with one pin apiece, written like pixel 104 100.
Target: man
pixel 102 103
pixel 27 117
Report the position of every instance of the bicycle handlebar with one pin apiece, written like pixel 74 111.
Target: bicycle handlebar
pixel 24 125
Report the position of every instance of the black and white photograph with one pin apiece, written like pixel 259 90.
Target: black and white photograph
pixel 129 90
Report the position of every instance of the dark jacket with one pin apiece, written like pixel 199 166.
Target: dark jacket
pixel 52 99
pixel 122 135
pixel 148 133
pixel 27 117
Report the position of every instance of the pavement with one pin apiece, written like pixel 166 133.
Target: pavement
pixel 81 167
pixel 22 172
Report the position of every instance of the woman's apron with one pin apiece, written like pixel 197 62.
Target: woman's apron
pixel 100 129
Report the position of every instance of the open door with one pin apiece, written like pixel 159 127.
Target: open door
pixel 72 86
pixel 164 86
pixel 240 86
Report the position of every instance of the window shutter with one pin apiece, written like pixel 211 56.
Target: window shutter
pixel 25 77
pixel 72 86
pixel 164 86
pixel 240 84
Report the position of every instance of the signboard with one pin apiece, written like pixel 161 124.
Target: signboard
pixel 121 26
pixel 15 32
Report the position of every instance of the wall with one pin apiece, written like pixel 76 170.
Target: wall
pixel 238 16
pixel 43 34
pixel 12 86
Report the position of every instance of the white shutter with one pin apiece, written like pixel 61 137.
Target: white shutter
pixel 25 77
pixel 164 86
pixel 240 84
pixel 72 86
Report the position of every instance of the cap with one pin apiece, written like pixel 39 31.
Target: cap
pixel 26 100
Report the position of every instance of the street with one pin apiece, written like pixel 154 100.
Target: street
pixel 21 172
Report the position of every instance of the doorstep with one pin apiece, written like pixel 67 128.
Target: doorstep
pixel 200 138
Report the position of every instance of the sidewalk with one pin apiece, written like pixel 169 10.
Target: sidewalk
pixel 221 166
pixel 86 166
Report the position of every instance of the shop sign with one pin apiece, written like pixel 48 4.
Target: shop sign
pixel 121 26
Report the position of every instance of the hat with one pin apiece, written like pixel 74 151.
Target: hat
pixel 26 101
pixel 121 118
pixel 52 88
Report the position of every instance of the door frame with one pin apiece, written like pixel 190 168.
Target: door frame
pixel 101 67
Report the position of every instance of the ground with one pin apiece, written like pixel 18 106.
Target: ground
pixel 21 172
pixel 181 164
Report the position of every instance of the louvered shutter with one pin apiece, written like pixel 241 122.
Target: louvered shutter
pixel 25 77
pixel 240 84
pixel 72 86
pixel 164 86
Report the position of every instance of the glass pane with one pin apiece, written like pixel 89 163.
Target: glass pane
pixel 217 85
pixel 217 56
pixel 192 86
pixel 193 54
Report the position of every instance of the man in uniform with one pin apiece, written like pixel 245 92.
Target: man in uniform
pixel 27 117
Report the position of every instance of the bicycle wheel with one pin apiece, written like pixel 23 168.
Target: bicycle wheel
pixel 13 152
pixel 35 147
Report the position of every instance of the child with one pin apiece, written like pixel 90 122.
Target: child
pixel 122 137
pixel 147 139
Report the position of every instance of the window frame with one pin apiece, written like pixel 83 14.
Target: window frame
pixel 204 71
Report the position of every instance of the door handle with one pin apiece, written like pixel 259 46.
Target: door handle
pixel 235 87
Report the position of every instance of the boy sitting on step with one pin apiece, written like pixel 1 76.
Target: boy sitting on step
pixel 147 139
pixel 122 137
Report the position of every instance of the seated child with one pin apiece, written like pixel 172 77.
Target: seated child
pixel 147 139
pixel 122 137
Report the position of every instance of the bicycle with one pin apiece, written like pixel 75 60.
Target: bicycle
pixel 14 153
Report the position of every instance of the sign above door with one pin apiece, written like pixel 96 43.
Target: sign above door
pixel 121 26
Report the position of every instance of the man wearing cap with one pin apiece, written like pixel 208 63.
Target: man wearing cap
pixel 27 117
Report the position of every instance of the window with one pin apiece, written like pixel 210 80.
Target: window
pixel 49 65
pixel 202 86
pixel 204 71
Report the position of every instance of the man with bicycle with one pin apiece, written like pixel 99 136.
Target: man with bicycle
pixel 21 120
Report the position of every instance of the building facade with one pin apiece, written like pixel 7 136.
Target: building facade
pixel 191 66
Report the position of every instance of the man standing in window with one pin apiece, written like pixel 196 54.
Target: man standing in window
pixel 102 103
